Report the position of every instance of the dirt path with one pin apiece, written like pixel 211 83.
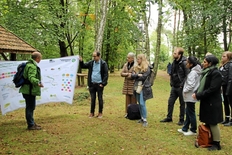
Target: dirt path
pixel 163 74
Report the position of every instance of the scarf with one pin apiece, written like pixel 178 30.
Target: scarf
pixel 204 73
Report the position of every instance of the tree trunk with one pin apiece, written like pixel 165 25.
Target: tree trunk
pixel 100 31
pixel 178 27
pixel 174 31
pixel 158 42
pixel 63 49
pixel 147 40
pixel 62 45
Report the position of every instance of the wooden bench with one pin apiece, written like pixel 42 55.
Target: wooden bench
pixel 81 79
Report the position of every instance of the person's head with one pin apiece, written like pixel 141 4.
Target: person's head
pixel 96 56
pixel 37 56
pixel 192 62
pixel 209 61
pixel 178 53
pixel 142 63
pixel 226 56
pixel 130 57
pixel 208 53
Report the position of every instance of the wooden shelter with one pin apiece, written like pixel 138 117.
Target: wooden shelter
pixel 10 44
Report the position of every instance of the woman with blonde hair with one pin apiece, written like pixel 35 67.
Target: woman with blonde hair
pixel 142 86
pixel 226 71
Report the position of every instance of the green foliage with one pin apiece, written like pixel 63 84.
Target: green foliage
pixel 81 96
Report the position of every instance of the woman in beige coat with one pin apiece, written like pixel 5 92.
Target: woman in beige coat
pixel 128 82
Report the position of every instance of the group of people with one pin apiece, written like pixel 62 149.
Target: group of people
pixel 190 82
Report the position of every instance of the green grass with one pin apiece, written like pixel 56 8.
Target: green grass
pixel 68 130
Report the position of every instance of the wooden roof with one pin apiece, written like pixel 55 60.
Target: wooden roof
pixel 11 43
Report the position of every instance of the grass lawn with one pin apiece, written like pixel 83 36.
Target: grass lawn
pixel 67 130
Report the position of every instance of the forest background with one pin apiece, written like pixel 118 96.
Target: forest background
pixel 115 27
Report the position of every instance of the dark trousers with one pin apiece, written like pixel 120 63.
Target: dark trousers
pixel 227 102
pixel 174 94
pixel 190 117
pixel 93 89
pixel 30 107
pixel 130 99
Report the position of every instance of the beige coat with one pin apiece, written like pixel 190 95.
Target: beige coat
pixel 128 82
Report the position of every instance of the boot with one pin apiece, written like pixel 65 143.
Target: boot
pixel 229 123
pixel 227 119
pixel 216 146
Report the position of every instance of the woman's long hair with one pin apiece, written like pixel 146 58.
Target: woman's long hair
pixel 229 57
pixel 144 64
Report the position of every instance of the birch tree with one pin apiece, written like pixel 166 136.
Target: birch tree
pixel 101 28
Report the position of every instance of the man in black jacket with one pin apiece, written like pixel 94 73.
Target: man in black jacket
pixel 97 80
pixel 177 78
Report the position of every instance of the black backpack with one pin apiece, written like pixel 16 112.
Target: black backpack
pixel 133 112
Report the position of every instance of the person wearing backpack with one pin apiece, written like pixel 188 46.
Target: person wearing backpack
pixel 177 77
pixel 226 71
pixel 142 86
pixel 209 94
pixel 191 84
pixel 128 82
pixel 30 91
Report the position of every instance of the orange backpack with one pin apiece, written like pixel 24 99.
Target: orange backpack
pixel 204 137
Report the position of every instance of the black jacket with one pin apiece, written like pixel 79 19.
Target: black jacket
pixel 104 71
pixel 226 71
pixel 181 73
pixel 210 99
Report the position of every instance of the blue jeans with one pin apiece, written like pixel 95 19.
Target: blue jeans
pixel 93 89
pixel 142 105
pixel 30 107
pixel 190 117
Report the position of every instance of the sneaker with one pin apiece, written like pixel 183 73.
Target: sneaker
pixel 140 121
pixel 126 116
pixel 91 115
pixel 166 120
pixel 145 123
pixel 181 131
pixel 180 123
pixel 34 127
pixel 190 133
pixel 99 115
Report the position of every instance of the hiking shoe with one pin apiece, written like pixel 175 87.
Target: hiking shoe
pixel 214 148
pixel 181 131
pixel 37 125
pixel 91 115
pixel 140 121
pixel 166 120
pixel 228 124
pixel 180 123
pixel 99 115
pixel 145 123
pixel 34 127
pixel 190 133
